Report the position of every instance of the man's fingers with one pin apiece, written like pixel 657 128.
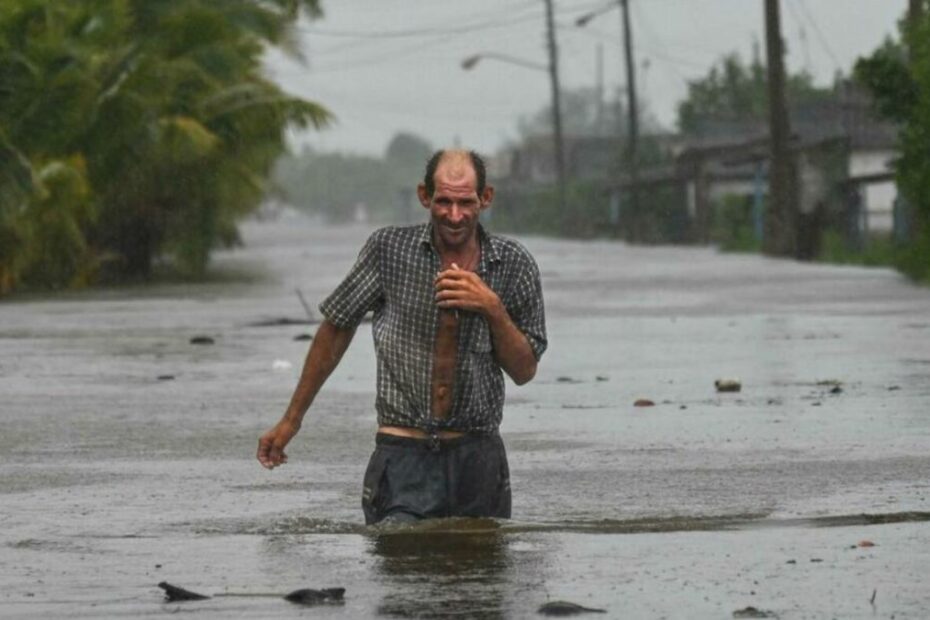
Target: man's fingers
pixel 270 453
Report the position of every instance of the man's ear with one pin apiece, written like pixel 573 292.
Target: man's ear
pixel 422 195
pixel 487 196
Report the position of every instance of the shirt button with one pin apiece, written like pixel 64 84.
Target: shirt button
pixel 442 391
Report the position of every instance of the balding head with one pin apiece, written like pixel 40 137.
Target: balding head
pixel 456 164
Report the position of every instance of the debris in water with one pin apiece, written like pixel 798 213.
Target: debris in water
pixel 565 608
pixel 165 377
pixel 600 378
pixel 281 365
pixel 728 385
pixel 866 543
pixel 643 402
pixel 174 593
pixel 309 596
pixel 302 337
pixel 836 390
pixel 752 612
pixel 567 380
pixel 201 340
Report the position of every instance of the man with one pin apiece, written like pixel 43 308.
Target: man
pixel 453 307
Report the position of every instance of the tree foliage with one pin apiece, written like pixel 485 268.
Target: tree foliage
pixel 337 185
pixel 735 91
pixel 134 130
pixel 898 75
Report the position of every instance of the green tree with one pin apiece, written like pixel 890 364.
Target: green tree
pixel 735 91
pixel 143 128
pixel 334 184
pixel 898 75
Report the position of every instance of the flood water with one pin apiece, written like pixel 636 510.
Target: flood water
pixel 127 453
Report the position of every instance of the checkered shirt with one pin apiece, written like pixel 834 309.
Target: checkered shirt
pixel 394 278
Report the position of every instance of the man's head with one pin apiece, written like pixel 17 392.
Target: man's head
pixel 455 191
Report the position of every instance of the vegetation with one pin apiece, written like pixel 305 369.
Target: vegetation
pixel 135 130
pixel 735 91
pixel 342 186
pixel 898 74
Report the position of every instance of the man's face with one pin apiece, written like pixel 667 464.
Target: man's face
pixel 455 204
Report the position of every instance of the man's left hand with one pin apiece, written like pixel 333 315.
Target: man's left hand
pixel 458 289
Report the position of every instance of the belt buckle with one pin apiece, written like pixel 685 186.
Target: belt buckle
pixel 433 441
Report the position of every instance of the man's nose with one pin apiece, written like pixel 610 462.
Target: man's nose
pixel 456 213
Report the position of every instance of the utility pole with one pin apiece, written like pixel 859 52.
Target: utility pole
pixel 633 137
pixel 599 110
pixel 780 237
pixel 557 117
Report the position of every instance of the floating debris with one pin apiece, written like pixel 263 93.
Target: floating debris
pixel 202 340
pixel 752 612
pixel 865 543
pixel 565 608
pixel 165 377
pixel 643 402
pixel 174 594
pixel 836 390
pixel 303 337
pixel 281 365
pixel 728 385
pixel 309 596
pixel 600 378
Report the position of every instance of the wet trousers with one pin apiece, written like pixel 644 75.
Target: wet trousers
pixel 410 479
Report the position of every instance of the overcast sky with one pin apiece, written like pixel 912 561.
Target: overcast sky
pixel 383 66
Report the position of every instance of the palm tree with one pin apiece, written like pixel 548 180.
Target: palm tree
pixel 158 111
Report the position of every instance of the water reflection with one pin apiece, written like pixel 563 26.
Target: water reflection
pixel 454 567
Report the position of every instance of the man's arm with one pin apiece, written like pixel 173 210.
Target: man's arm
pixel 465 290
pixel 329 343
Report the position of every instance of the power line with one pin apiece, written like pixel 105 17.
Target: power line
pixel 820 37
pixel 801 34
pixel 442 29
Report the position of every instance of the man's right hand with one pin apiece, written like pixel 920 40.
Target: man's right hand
pixel 271 444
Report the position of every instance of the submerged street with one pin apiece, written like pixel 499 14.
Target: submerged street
pixel 127 452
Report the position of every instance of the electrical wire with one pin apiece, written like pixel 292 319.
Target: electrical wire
pixel 820 36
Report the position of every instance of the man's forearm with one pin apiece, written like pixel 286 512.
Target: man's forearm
pixel 329 344
pixel 511 348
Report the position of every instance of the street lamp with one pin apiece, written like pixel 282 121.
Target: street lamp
pixel 469 62
pixel 553 70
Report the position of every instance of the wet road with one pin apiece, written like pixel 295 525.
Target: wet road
pixel 126 453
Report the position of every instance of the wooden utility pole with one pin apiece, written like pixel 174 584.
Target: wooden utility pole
pixel 633 137
pixel 557 117
pixel 780 238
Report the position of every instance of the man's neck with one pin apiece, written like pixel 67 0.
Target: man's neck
pixel 465 256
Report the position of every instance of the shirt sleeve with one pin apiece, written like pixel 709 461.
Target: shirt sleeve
pixel 359 292
pixel 528 311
